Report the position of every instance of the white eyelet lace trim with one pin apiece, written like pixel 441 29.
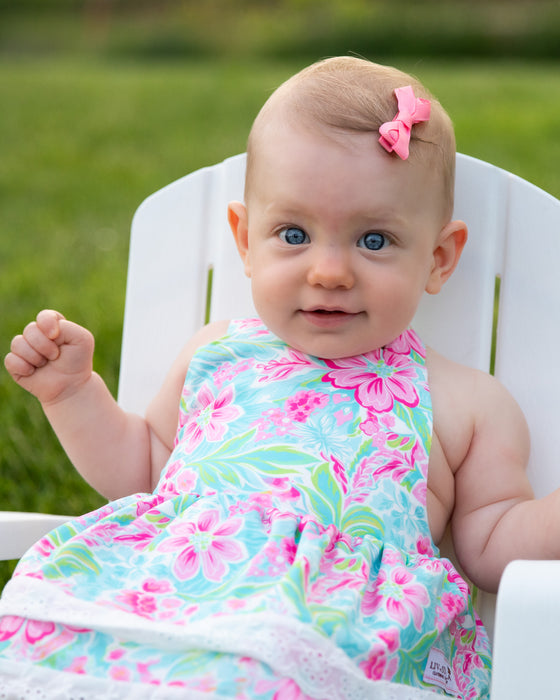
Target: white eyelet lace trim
pixel 291 648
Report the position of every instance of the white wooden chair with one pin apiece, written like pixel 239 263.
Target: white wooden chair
pixel 184 269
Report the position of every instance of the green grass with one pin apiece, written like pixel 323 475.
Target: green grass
pixel 186 28
pixel 83 142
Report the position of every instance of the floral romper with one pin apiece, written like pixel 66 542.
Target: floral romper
pixel 285 553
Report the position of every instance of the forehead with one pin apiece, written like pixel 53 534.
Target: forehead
pixel 326 167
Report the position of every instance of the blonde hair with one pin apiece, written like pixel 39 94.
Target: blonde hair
pixel 353 94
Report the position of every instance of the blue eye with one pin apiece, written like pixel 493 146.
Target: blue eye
pixel 293 236
pixel 373 241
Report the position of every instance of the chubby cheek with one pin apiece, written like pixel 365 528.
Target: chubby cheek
pixel 268 293
pixel 396 295
pixel 270 276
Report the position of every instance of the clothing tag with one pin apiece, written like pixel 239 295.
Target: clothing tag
pixel 439 672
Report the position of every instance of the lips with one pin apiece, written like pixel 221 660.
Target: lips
pixel 326 311
pixel 326 317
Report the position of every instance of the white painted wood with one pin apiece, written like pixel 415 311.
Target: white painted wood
pixel 529 327
pixel 178 234
pixel 525 658
pixel 18 531
pixel 458 321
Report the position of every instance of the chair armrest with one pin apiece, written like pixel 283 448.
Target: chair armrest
pixel 526 635
pixel 18 531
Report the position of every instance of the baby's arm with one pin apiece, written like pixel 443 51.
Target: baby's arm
pixel 53 360
pixel 496 518
pixel 118 453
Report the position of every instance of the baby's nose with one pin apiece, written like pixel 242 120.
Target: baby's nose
pixel 331 268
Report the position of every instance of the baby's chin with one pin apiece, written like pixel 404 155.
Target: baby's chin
pixel 329 351
pixel 329 336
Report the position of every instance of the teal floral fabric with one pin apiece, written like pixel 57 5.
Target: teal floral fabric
pixel 295 502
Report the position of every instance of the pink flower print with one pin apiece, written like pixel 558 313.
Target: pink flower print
pixel 173 468
pixel 210 420
pixel 146 675
pixel 235 604
pixel 44 547
pixel 399 463
pixel 120 673
pixel 378 378
pixel 115 655
pixel 269 563
pixel 361 482
pixel 277 418
pixel 388 420
pixel 399 595
pixel 396 466
pixel 168 489
pixel 34 630
pixel 78 665
pixel 343 415
pixel 424 546
pixel 206 543
pixel 186 479
pixel 283 487
pixel 406 342
pixel 142 604
pixel 228 371
pixel 273 421
pixel 302 404
pixel 177 481
pixel 379 664
pixel 145 604
pixel 103 532
pixel 9 626
pixel 258 502
pixel 289 547
pixel 295 361
pixel 289 690
pixel 454 577
pixel 338 573
pixel 420 491
pixel 338 471
pixel 274 559
pixel 145 506
pixel 466 662
pixel 248 323
pixel 140 535
pixel 152 585
pixel 450 608
pixel 372 429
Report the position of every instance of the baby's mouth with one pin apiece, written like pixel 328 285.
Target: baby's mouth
pixel 330 312
pixel 327 316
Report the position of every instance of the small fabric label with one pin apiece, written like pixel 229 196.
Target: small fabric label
pixel 439 672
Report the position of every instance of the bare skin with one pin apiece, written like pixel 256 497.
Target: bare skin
pixel 476 478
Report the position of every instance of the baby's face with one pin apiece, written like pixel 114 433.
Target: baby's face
pixel 340 239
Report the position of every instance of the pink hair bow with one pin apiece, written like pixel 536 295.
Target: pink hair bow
pixel 395 135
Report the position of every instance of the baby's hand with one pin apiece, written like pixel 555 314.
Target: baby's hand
pixel 52 358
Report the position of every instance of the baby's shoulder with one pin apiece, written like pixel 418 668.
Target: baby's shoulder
pixel 449 376
pixel 453 382
pixel 466 403
pixel 204 335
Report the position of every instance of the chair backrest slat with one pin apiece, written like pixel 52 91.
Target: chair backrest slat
pixel 529 322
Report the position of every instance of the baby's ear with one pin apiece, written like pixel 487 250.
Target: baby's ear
pixel 238 222
pixel 447 251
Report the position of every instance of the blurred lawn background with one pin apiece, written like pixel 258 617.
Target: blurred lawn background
pixel 104 101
